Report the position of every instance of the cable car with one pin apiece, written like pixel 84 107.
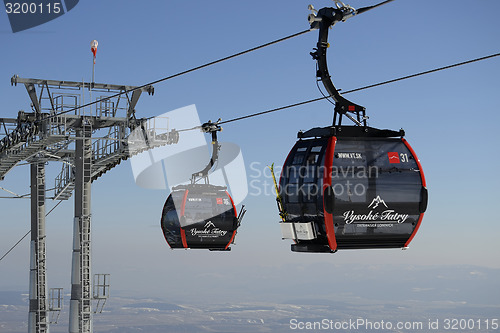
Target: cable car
pixel 351 190
pixel 349 187
pixel 206 217
pixel 201 216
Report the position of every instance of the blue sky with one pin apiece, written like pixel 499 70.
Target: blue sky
pixel 450 119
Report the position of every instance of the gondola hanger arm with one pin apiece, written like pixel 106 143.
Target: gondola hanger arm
pixel 324 19
pixel 213 128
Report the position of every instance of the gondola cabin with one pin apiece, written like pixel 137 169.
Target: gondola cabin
pixel 358 188
pixel 199 216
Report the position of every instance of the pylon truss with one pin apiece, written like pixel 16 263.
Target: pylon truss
pixel 49 132
pixel 89 139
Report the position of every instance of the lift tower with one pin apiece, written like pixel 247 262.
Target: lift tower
pixel 88 141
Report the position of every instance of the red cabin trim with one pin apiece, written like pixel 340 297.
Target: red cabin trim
pixel 327 181
pixel 183 209
pixel 423 184
pixel 416 159
pixel 230 241
pixel 236 216
pixel 232 203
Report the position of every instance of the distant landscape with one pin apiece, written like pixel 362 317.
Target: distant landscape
pixel 412 296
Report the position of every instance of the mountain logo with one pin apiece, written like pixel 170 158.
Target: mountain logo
pixel 209 224
pixel 393 157
pixel 24 14
pixel 377 201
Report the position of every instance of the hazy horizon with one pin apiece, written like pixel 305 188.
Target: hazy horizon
pixel 450 119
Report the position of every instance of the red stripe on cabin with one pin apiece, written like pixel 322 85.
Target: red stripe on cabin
pixel 236 216
pixel 423 184
pixel 183 209
pixel 327 181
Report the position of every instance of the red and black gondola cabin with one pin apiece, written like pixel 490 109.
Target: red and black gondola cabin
pixel 356 188
pixel 199 216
